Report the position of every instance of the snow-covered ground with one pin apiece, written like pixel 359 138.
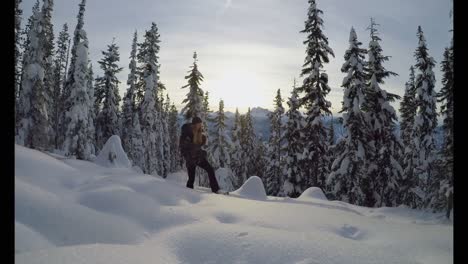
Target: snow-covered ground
pixel 72 211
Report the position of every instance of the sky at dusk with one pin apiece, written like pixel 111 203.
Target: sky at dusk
pixel 247 49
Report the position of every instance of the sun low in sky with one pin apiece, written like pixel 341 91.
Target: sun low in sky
pixel 247 49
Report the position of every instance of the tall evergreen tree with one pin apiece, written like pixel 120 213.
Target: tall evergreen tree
pixel 107 123
pixel 129 110
pixel 425 122
pixel 91 113
pixel 260 164
pixel 174 136
pixel 409 180
pixel 315 163
pixel 384 168
pixel 207 124
pixel 295 181
pixel 444 179
pixel 75 116
pixel 348 177
pixel 24 46
pixel 150 118
pixel 165 137
pixel 18 54
pixel 194 99
pixel 33 125
pixel 249 145
pixel 408 109
pixel 219 146
pixel 236 151
pixel 47 31
pixel 59 80
pixel 273 174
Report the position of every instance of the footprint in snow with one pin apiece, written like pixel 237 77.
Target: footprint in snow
pixel 243 234
pixel 350 232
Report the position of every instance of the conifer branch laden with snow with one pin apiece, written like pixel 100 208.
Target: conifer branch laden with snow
pixel 220 145
pixel 59 80
pixel 383 167
pixel 273 174
pixel 107 123
pixel 425 122
pixel 194 99
pixel 348 178
pixel 443 189
pixel 315 87
pixel 236 151
pixel 295 180
pixel 76 122
pixel 34 103
pixel 150 118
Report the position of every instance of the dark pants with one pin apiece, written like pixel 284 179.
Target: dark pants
pixel 203 163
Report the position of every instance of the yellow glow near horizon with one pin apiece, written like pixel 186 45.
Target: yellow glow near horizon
pixel 238 88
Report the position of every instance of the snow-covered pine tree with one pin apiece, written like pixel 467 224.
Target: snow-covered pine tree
pixel 445 96
pixel 333 148
pixel 206 111
pixel 408 110
pixel 347 179
pixel 165 137
pixel 194 99
pixel 237 164
pixel 138 149
pixel 249 145
pixel 425 122
pixel 132 141
pixel 174 134
pixel 409 180
pixel 59 79
pixel 273 174
pixel 24 46
pixel 422 164
pixel 383 166
pixel 260 164
pixel 18 53
pixel 128 107
pixel 219 147
pixel 91 113
pixel 107 123
pixel 295 181
pixel 149 117
pixel 47 32
pixel 207 121
pixel 315 160
pixel 33 125
pixel 77 102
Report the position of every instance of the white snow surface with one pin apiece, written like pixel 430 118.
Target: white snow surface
pixel 252 188
pixel 74 211
pixel 312 193
pixel 113 155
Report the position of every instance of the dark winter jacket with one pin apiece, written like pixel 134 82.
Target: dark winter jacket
pixel 190 151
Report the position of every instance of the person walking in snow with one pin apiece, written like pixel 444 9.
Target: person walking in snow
pixel 190 142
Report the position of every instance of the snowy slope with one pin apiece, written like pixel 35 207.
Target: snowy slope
pixel 72 211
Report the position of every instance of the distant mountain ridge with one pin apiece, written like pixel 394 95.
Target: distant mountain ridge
pixel 261 124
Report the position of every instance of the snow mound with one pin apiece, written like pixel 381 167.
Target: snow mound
pixel 113 155
pixel 252 188
pixel 313 192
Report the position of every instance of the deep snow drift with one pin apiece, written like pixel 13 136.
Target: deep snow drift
pixel 72 211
